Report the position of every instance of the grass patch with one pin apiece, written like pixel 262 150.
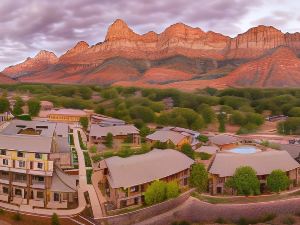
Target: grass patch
pixel 203 155
pixel 93 149
pixel 82 145
pixel 87 159
pixel 96 158
pixel 71 139
pixel 89 173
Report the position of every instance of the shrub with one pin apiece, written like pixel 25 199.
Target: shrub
pixel 204 155
pixel 288 220
pixel 87 159
pixel 109 140
pixel 34 106
pixel 202 138
pixel 199 177
pixel 96 158
pixel 108 154
pixel 84 122
pixel 89 173
pixel 188 151
pixel 24 117
pixel 55 219
pixel 93 149
pixel 244 181
pixel 155 193
pixel 278 181
pixel 172 190
pixel 17 216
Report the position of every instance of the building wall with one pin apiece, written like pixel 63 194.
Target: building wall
pixel 64 118
pixel 134 195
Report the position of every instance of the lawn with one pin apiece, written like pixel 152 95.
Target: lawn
pixel 89 173
pixel 87 159
pixel 82 145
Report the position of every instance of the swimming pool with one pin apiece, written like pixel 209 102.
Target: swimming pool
pixel 244 149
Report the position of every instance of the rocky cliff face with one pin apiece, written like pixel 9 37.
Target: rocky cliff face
pixel 40 62
pixel 179 53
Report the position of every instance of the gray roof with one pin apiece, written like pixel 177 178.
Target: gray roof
pixel 99 131
pixel 26 143
pixel 69 112
pixel 63 144
pixel 140 169
pixel 62 129
pixel 62 182
pixel 166 135
pixel 293 150
pixel 223 139
pixel 208 149
pixel 46 128
pixel 263 163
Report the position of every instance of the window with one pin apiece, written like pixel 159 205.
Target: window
pixel 21 163
pixel 18 192
pixel 5 190
pixel 56 197
pixel 3 152
pixel 38 155
pixel 5 162
pixel 40 194
pixel 40 179
pixel 20 154
pixel 134 189
pixel 40 165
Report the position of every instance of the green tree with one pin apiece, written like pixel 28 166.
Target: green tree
pixel 141 112
pixel 199 177
pixel 278 181
pixel 55 219
pixel 188 151
pixel 34 106
pixel 109 140
pixel 202 138
pixel 244 181
pixel 4 105
pixel 84 122
pixel 207 113
pixel 222 121
pixel 18 106
pixel 172 190
pixel 155 193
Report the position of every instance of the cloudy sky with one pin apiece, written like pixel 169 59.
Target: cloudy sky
pixel 27 26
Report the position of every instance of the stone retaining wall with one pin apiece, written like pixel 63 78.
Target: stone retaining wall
pixel 145 213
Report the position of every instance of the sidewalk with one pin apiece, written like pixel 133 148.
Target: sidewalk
pixel 96 208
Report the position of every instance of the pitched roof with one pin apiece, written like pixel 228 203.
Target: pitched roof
pixel 166 135
pixel 208 149
pixel 26 143
pixel 62 182
pixel 263 163
pixel 140 169
pixel 99 131
pixel 292 149
pixel 223 139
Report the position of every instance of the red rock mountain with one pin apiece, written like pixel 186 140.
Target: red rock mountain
pixel 179 54
pixel 5 79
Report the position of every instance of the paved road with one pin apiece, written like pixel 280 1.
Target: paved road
pixel 195 210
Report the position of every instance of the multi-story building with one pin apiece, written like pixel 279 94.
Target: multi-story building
pixel 263 162
pixel 28 175
pixel 126 179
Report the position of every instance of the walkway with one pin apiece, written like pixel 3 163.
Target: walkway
pixel 194 210
pixel 96 208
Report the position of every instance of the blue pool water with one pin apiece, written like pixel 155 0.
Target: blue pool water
pixel 244 150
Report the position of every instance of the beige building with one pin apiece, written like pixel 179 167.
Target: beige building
pixel 264 162
pixel 67 115
pixel 126 179
pixel 28 174
pixel 120 133
pixel 176 135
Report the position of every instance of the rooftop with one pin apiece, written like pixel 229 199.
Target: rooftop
pixel 62 182
pixel 292 149
pixel 166 135
pixel 76 112
pixel 263 163
pixel 223 139
pixel 100 131
pixel 140 169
